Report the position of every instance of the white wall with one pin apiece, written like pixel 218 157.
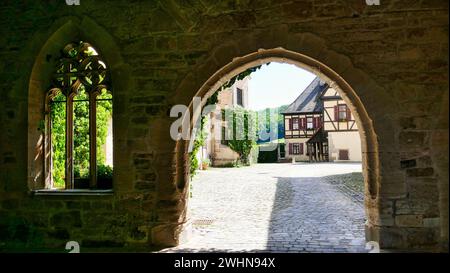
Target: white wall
pixel 346 141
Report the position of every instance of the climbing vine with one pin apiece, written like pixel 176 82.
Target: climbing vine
pixel 243 132
pixel 214 98
pixel 199 141
pixel 81 136
pixel 240 146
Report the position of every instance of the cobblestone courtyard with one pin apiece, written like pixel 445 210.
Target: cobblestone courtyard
pixel 277 208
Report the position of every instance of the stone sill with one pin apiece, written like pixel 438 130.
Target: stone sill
pixel 72 192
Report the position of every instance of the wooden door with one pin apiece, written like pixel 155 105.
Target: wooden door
pixel 343 155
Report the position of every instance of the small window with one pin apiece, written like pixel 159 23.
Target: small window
pixel 296 148
pixel 294 123
pixel 239 98
pixel 223 139
pixel 342 108
pixel 309 123
pixel 223 133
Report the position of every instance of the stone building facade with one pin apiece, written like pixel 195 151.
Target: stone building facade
pixel 390 62
pixel 216 150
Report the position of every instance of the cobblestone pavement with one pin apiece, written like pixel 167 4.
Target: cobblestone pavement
pixel 275 208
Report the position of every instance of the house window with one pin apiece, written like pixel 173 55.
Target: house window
pixel 342 112
pixel 296 148
pixel 343 155
pixel 239 98
pixel 79 121
pixel 309 123
pixel 223 139
pixel 294 123
pixel 317 123
pixel 223 133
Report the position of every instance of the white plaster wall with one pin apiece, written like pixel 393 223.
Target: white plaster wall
pixel 347 141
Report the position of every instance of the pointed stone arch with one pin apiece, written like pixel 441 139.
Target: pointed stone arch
pixel 311 53
pixel 64 31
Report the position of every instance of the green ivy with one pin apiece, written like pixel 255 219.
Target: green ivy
pixel 199 141
pixel 58 116
pixel 81 136
pixel 243 146
pixel 104 171
pixel 214 99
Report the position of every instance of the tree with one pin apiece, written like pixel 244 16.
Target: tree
pixel 199 141
pixel 243 132
pixel 81 135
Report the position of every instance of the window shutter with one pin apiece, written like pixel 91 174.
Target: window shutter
pixel 314 123
pixel 349 113
pixel 301 148
pixel 290 124
pixel 290 148
pixel 336 113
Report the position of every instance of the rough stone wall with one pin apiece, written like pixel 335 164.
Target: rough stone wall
pixel 399 47
pixel 222 154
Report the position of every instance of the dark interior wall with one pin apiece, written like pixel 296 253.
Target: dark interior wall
pixel 401 46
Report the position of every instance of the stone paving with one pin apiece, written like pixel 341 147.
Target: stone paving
pixel 275 208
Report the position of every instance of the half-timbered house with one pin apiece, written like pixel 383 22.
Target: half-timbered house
pixel 344 142
pixel 319 126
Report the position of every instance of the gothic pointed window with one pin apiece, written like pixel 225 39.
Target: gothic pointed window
pixel 79 121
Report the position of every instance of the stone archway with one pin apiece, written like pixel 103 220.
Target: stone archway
pixel 396 67
pixel 368 135
pixel 363 86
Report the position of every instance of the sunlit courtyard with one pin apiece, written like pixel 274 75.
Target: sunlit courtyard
pixel 287 207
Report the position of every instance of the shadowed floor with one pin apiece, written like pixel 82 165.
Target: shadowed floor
pixel 278 208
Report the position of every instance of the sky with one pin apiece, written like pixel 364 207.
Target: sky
pixel 277 84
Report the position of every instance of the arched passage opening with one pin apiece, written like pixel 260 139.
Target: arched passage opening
pixel 369 142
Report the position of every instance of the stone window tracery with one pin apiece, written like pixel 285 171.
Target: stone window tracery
pixel 78 114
